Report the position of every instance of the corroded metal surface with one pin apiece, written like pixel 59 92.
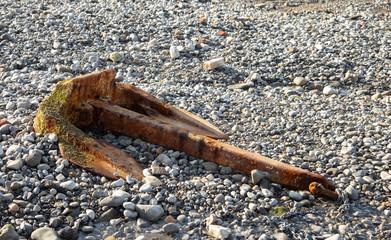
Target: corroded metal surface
pixel 96 100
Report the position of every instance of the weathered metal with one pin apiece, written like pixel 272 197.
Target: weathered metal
pixel 97 100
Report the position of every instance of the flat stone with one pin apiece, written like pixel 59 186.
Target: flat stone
pixel 329 91
pixel 13 149
pixel 243 86
pixel 209 166
pixel 14 164
pixel 112 213
pixel 150 212
pixel 8 233
pixel 118 183
pixel 120 193
pixel 154 181
pixel 385 176
pixel 171 228
pixel 295 195
pixel 334 237
pixel 44 233
pixel 300 81
pixel 112 201
pixel 69 185
pixel 147 187
pixel 166 160
pixel 214 63
pixel 33 159
pixel 219 232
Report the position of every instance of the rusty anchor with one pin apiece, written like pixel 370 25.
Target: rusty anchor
pixel 96 100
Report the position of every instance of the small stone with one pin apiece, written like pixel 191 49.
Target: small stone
pixel 130 214
pixel 329 91
pixel 129 205
pixel 68 233
pixel 219 232
pixel 112 213
pixel 209 166
pixel 146 188
pixel 110 238
pixel 334 237
pixel 385 176
pixel 52 137
pixel 255 77
pixel 154 181
pixel 156 170
pixel 87 229
pixel 352 193
pixel 280 236
pixel 300 81
pixel 171 228
pixel 33 159
pixel 69 185
pixel 116 56
pixel 267 193
pixel 166 160
pixel 13 149
pixel 8 233
pixel 214 63
pixel 169 219
pixel 295 195
pixel 293 49
pixel 111 201
pixel 99 194
pixel 257 176
pixel 348 150
pixel 90 213
pixel 118 183
pixel 13 207
pixel 44 233
pixel 376 96
pixel 5 129
pixel 174 53
pixel 62 69
pixel 225 170
pixel 142 223
pixel 14 164
pixel 55 222
pixel 243 86
pixel 120 193
pixel 150 212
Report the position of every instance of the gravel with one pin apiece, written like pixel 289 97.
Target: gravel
pixel 307 84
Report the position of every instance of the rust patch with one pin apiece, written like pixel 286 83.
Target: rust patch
pixel 96 100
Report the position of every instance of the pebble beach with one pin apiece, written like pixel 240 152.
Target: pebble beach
pixel 307 83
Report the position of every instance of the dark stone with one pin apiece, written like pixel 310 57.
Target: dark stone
pixel 55 222
pixel 68 233
pixel 142 223
pixel 112 213
pixel 34 159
